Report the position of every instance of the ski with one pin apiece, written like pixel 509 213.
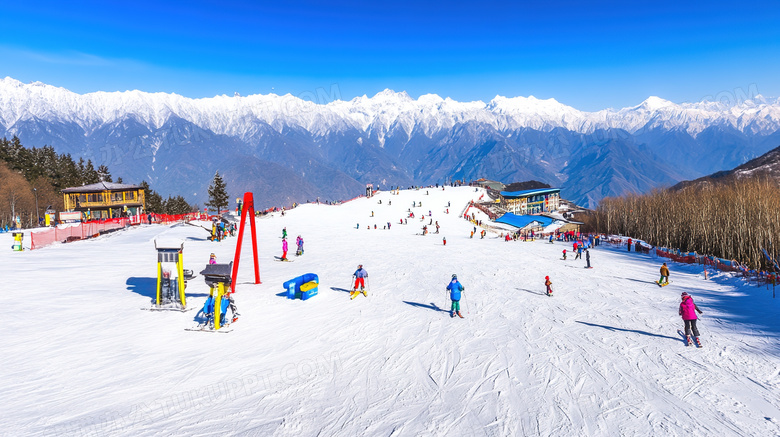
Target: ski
pixel 206 328
pixel 181 310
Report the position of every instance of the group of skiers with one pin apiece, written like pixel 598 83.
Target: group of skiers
pixel 298 242
pixel 220 230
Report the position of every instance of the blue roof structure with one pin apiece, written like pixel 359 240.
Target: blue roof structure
pixel 528 193
pixel 521 221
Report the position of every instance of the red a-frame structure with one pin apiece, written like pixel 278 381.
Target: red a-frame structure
pixel 248 209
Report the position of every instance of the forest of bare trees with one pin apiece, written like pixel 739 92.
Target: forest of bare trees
pixel 731 220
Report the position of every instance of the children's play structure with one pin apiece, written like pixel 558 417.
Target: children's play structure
pixel 17 246
pixel 302 287
pixel 218 279
pixel 171 278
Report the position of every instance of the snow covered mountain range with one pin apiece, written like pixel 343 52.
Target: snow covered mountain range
pixel 287 149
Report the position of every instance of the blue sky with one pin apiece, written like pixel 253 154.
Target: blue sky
pixel 590 56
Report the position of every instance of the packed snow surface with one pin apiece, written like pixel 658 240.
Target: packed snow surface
pixel 602 357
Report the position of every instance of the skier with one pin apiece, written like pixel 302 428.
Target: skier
pixel 472 234
pixel 587 259
pixel 212 259
pixel 688 311
pixel 482 234
pixel 299 243
pixel 564 254
pixel 360 276
pixel 284 233
pixel 455 288
pixel 551 239
pixel 548 284
pixel 664 275
pixel 444 240
pixel 284 248
pixel 579 252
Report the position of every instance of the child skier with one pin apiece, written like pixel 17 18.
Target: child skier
pixel 455 288
pixel 548 284
pixel 359 275
pixel 212 259
pixel 664 275
pixel 299 242
pixel 579 252
pixel 284 248
pixel 284 233
pixel 564 254
pixel 688 311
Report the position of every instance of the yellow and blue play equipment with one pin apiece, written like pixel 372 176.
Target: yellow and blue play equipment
pixel 302 287
pixel 218 278
pixel 171 280
pixel 17 246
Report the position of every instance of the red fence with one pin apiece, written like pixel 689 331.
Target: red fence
pixel 76 232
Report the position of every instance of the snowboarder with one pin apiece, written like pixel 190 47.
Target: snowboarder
pixel 284 247
pixel 587 259
pixel 564 254
pixel 299 243
pixel 688 311
pixel 455 288
pixel 548 284
pixel 664 275
pixel 360 276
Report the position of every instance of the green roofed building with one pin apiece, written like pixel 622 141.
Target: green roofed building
pixel 531 201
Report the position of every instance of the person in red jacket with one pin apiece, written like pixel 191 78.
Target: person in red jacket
pixel 688 311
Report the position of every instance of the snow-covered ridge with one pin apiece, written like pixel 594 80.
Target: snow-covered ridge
pixel 377 115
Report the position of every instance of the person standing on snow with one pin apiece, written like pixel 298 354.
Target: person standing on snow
pixel 284 248
pixel 284 233
pixel 212 259
pixel 587 258
pixel 664 275
pixel 360 276
pixel 688 311
pixel 299 243
pixel 579 252
pixel 564 254
pixel 455 288
pixel 548 284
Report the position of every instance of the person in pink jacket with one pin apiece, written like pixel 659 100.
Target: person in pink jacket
pixel 284 249
pixel 688 311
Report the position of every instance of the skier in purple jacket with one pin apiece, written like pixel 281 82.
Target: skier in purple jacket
pixel 688 311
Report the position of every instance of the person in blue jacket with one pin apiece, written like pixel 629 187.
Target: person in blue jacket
pixel 455 288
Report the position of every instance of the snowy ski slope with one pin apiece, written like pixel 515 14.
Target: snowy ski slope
pixel 602 357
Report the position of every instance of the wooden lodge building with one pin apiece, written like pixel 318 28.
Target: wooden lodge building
pixel 105 200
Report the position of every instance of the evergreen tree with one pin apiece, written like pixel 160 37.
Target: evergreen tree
pixel 154 202
pixel 104 174
pixel 218 197
pixel 119 180
pixel 91 175
pixel 177 205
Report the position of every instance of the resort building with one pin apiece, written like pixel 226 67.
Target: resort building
pixel 105 200
pixel 531 201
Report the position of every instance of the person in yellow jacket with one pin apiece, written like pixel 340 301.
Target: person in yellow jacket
pixel 664 275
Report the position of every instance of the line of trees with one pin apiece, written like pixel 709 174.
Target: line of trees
pixel 41 172
pixel 732 220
